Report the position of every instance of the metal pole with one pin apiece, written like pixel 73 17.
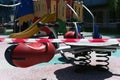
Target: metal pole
pixel 76 29
pixel 75 24
pixel 91 15
pixel 73 11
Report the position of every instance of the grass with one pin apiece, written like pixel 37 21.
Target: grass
pixel 8 32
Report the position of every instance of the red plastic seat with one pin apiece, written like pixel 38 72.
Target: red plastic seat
pixel 71 34
pixel 25 55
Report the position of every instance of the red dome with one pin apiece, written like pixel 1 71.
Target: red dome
pixel 71 34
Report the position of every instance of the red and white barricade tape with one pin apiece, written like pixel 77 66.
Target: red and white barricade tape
pixel 97 42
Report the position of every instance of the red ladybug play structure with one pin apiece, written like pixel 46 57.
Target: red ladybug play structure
pixel 28 54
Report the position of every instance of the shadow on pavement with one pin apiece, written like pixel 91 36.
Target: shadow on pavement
pixel 90 73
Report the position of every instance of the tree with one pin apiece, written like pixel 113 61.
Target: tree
pixel 114 6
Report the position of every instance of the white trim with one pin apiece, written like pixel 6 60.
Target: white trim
pixel 13 5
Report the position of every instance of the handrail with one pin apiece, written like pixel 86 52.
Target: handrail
pixel 73 11
pixel 75 23
pixel 13 5
pixel 91 15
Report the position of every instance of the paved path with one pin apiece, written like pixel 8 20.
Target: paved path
pixel 57 71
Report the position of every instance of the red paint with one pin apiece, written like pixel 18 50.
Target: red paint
pixel 98 40
pixel 71 40
pixel 19 40
pixel 25 55
pixel 35 19
pixel 2 39
pixel 68 11
pixel 71 35
pixel 47 30
pixel 44 40
pixel 118 40
pixel 48 2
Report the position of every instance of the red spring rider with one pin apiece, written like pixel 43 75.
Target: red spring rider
pixel 28 54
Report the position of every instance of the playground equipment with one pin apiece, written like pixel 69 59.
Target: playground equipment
pixel 74 32
pixel 80 49
pixel 13 5
pixel 71 34
pixel 25 53
pixel 60 7
pixel 33 29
